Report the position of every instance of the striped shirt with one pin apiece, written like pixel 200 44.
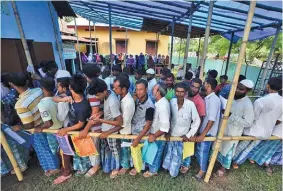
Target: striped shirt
pixel 94 102
pixel 26 106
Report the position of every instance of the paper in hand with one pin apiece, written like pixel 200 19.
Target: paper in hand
pixel 126 144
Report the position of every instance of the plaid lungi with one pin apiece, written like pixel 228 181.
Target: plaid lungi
pixel 226 161
pixel 95 159
pixel 47 160
pixel 110 154
pixel 81 163
pixel 244 150
pixel 125 155
pixel 53 143
pixel 158 157
pixel 202 154
pixel 265 150
pixel 174 157
pixel 276 159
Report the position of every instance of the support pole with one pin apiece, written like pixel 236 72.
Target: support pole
pixel 268 61
pixel 78 44
pixel 198 50
pixel 172 41
pixel 110 31
pixel 205 43
pixel 181 41
pixel 229 53
pixel 188 43
pixel 232 91
pixel 126 51
pixel 90 48
pixel 10 155
pixel 58 43
pixel 22 35
pixel 95 40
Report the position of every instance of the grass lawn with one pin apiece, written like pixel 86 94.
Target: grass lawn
pixel 247 177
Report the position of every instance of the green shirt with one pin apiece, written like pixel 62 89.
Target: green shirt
pixel 48 111
pixel 170 94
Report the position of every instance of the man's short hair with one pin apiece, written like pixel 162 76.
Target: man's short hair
pixel 51 65
pixel 19 79
pixel 212 82
pixel 64 82
pixel 116 68
pixel 213 73
pixel 140 72
pixel 275 83
pixel 5 79
pixel 142 81
pixel 123 81
pixel 124 74
pixel 165 71
pixel 170 75
pixel 48 84
pixel 197 80
pixel 91 71
pixel 189 75
pixel 96 86
pixel 181 85
pixel 242 77
pixel 78 83
pixel 224 77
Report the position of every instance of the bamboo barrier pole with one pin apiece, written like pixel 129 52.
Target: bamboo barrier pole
pixel 90 48
pixel 95 41
pixel 232 91
pixel 11 157
pixel 162 138
pixel 22 35
pixel 205 43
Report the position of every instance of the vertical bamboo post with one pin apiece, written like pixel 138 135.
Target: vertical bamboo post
pixel 268 61
pixel 233 90
pixel 198 50
pixel 205 43
pixel 172 41
pixel 22 34
pixel 229 54
pixel 95 40
pixel 90 48
pixel 11 157
pixel 188 42
pixel 110 35
pixel 78 44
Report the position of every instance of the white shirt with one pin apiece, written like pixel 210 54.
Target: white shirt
pixel 128 111
pixel 277 131
pixel 107 80
pixel 212 108
pixel 242 116
pixel 161 119
pixel 62 74
pixel 184 121
pixel 268 110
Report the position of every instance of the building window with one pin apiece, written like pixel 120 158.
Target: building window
pixel 151 47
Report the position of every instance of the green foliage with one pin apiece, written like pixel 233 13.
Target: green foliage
pixel 219 45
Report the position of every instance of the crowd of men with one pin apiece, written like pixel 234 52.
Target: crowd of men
pixel 141 106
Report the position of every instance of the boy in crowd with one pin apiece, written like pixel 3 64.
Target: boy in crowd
pixel 48 111
pixel 185 122
pixel 27 109
pixel 79 112
pixel 111 124
pixel 223 82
